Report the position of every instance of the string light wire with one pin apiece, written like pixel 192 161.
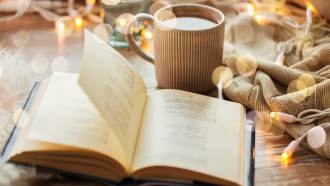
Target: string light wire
pixel 305 117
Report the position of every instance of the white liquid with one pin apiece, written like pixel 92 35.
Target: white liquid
pixel 188 23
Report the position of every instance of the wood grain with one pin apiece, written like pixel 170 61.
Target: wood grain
pixel 304 168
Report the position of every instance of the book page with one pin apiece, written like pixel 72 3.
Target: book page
pixel 115 87
pixel 191 131
pixel 66 116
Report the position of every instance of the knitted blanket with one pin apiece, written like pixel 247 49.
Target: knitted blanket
pixel 301 83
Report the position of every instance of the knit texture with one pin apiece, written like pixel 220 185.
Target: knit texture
pixel 272 87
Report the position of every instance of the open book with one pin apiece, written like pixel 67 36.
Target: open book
pixel 108 127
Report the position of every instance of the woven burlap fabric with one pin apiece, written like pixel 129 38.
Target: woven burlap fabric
pixel 266 90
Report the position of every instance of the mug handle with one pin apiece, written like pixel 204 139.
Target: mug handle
pixel 130 39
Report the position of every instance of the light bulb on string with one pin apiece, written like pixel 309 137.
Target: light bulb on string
pixel 60 26
pixel 78 21
pixel 147 34
pixel 250 9
pixel 64 26
pixel 122 22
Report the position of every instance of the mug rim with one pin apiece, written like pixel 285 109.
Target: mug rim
pixel 190 4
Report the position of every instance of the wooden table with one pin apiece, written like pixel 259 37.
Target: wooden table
pixel 304 168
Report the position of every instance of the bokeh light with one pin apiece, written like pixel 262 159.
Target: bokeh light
pixel 222 75
pixel 267 121
pixel 122 22
pixel 20 113
pixel 78 21
pixel 250 7
pixel 21 38
pixel 297 91
pixel 103 32
pixel 60 64
pixel 309 82
pixel 316 137
pixel 246 64
pixel 64 26
pixel 110 2
pixel 168 19
pixel 258 18
pixel 16 116
pixel 257 119
pixel 242 31
pixel 158 5
pixel 39 63
pixel 147 34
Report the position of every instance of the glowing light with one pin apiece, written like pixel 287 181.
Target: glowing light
pixel 60 26
pixel 272 114
pixel 284 156
pixel 78 21
pixel 91 1
pixel 250 7
pixel 136 30
pixel 250 12
pixel 122 22
pixel 102 13
pixel 148 35
pixel 64 26
pixel 259 17
pixel 311 7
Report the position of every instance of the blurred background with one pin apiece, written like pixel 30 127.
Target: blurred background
pixel 50 32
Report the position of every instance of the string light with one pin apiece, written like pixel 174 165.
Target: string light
pixel 280 58
pixel 318 114
pixel 122 22
pixel 148 34
pixel 78 21
pixel 259 17
pixel 250 7
pixel 61 26
pixel 283 117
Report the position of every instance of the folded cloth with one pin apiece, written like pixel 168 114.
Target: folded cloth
pixel 301 83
